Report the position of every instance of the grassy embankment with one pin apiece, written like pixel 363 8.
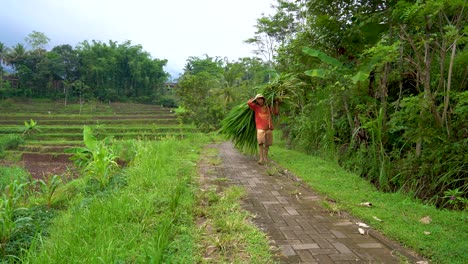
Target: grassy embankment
pixel 440 235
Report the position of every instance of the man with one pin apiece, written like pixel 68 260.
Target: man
pixel 263 124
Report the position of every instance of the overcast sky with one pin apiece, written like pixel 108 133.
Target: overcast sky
pixel 167 29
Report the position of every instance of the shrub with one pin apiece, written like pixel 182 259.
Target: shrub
pixel 11 141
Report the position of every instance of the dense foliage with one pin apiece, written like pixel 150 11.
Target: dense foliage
pixel 386 91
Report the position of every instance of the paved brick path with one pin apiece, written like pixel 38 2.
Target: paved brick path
pixel 297 223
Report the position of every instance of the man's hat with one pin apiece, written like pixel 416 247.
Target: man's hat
pixel 259 96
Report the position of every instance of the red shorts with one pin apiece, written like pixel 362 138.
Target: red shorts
pixel 265 137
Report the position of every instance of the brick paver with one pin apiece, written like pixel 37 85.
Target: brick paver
pixel 293 218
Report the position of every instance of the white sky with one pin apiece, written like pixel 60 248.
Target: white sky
pixel 167 29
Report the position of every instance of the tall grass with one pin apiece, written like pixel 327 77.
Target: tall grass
pixel 140 223
pixel 9 141
pixel 22 214
pixel 9 174
pixel 11 202
pixel 313 129
pixel 377 153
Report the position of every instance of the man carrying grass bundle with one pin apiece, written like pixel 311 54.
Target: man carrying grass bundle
pixel 263 124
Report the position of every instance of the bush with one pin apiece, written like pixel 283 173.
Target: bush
pixel 10 174
pixel 166 101
pixel 7 103
pixel 11 141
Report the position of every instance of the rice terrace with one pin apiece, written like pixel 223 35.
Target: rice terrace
pixel 57 127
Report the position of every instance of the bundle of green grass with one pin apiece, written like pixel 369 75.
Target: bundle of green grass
pixel 239 124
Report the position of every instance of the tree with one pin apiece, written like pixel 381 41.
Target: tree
pixel 121 71
pixel 70 61
pixel 197 94
pixel 37 40
pixel 210 65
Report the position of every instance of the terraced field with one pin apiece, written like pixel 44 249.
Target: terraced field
pixel 60 127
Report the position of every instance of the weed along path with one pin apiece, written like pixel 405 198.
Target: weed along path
pixel 291 215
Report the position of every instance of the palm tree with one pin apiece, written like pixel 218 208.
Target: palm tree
pixel 16 56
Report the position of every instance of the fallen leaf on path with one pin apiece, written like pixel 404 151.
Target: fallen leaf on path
pixel 422 262
pixel 376 218
pixel 273 248
pixel 425 220
pixel 361 231
pixel 362 225
pixel 210 249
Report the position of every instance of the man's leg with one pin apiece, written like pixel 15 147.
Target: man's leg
pixel 265 154
pixel 261 145
pixel 268 143
pixel 261 152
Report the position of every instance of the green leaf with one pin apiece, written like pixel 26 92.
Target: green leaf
pixel 360 77
pixel 322 56
pixel 76 150
pixel 89 139
pixel 320 73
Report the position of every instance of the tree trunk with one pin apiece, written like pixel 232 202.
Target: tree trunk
pixel 371 92
pixel 449 83
pixel 332 114
pixel 426 78
pixel 81 104
pixel 384 93
pixel 65 92
pixel 349 116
